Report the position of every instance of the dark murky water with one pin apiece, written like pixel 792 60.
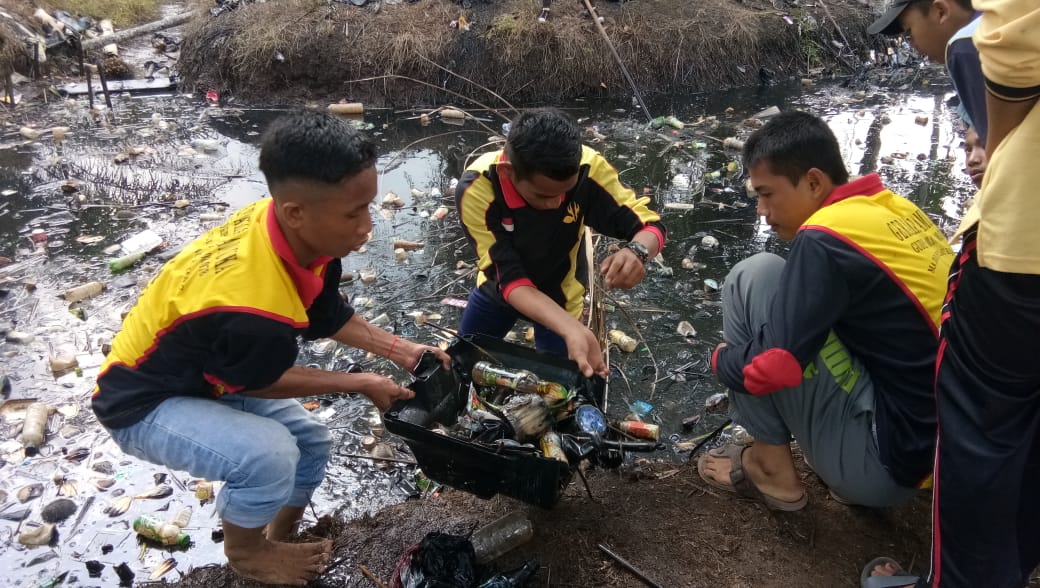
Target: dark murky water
pixel 208 156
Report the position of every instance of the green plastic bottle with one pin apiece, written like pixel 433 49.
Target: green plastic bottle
pixel 121 263
pixel 156 529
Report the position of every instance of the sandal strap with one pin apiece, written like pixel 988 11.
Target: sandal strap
pixel 743 486
pixel 889 581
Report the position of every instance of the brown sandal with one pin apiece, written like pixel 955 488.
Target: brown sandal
pixel 741 485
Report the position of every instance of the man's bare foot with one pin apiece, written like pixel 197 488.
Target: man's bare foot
pixel 769 467
pixel 273 562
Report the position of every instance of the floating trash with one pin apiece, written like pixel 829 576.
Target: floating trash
pixel 29 492
pixel 154 528
pixel 161 569
pixel 36 534
pixel 622 340
pixel 119 506
pixel 158 491
pixel 58 511
pixel 84 292
pixel 710 285
pixel 717 403
pixel 94 568
pixel 685 329
pixel 709 242
pixel 15 514
pixel 183 518
pixel 641 408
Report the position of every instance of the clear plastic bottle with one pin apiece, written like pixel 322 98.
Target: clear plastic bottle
pixel 501 536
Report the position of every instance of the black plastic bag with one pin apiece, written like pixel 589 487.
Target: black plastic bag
pixel 439 561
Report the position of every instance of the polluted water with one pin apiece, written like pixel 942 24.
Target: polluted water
pixel 68 208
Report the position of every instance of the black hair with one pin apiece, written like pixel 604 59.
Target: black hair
pixel 926 5
pixel 314 145
pixel 544 141
pixel 792 143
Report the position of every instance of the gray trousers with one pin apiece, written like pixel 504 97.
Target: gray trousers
pixel 830 414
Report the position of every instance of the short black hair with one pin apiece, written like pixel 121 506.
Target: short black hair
pixel 792 143
pixel 544 141
pixel 314 145
pixel 926 5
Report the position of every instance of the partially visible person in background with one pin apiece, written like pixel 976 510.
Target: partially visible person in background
pixel 975 159
pixel 987 466
pixel 941 30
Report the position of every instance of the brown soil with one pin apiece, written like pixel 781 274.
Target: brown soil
pixel 310 49
pixel 661 518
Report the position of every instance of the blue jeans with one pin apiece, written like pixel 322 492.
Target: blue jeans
pixel 488 316
pixel 269 453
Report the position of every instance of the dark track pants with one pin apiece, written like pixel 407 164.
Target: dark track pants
pixel 986 505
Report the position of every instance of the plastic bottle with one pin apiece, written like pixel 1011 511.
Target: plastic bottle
pixel 514 579
pixel 88 290
pixel 622 340
pixel 154 528
pixel 34 430
pixel 501 536
pixel 183 518
pixel 121 263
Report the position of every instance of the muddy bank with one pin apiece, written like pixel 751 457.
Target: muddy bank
pixel 675 529
pixel 319 50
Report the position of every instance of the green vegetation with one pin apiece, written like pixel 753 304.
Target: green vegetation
pixel 124 13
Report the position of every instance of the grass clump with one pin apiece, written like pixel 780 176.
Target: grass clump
pixel 124 13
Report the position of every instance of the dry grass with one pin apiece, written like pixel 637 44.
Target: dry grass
pixel 669 46
pixel 124 13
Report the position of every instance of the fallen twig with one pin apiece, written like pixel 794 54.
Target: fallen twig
pixel 462 77
pixel 628 566
pixel 368 574
pixel 374 458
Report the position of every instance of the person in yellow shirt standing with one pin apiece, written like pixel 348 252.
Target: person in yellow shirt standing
pixel 987 468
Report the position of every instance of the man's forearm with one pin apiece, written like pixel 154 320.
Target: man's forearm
pixel 299 382
pixel 541 309
pixel 359 333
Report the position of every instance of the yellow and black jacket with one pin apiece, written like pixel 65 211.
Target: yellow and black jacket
pixel 518 245
pixel 220 317
pixel 871 267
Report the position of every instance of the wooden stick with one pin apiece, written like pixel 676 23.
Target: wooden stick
pixel 374 458
pixel 368 574
pixel 628 566
pixel 621 64
pixel 123 35
pixel 104 85
pixel 86 72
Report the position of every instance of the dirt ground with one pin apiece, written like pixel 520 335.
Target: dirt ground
pixel 660 517
pixel 406 53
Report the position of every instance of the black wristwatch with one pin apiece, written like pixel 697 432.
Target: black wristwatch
pixel 639 249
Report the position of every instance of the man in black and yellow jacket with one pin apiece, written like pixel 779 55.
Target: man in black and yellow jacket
pixel 201 377
pixel 836 346
pixel 525 210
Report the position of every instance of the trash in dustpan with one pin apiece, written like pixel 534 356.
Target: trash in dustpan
pixel 502 420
